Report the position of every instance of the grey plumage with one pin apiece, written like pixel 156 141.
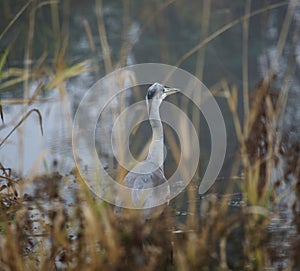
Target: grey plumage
pixel 149 173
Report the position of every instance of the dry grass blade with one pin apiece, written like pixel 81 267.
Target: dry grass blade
pixel 206 13
pixel 14 76
pixel 224 29
pixel 245 66
pixel 4 59
pixel 2 63
pixel 11 184
pixel 5 171
pixel 88 31
pixel 285 30
pixel 22 120
pixel 1 112
pixel 232 100
pixel 103 37
pixel 67 73
pixel 15 18
pixel 27 101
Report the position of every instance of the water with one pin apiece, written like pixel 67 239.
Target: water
pixel 151 38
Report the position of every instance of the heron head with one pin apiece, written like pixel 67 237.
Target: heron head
pixel 160 92
pixel 157 93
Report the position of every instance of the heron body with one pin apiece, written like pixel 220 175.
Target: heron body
pixel 149 173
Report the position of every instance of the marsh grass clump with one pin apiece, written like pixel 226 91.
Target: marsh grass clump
pixel 51 232
pixel 55 223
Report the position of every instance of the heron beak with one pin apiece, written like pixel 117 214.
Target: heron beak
pixel 169 91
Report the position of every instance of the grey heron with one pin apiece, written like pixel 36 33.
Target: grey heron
pixel 150 173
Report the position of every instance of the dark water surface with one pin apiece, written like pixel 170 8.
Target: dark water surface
pixel 154 31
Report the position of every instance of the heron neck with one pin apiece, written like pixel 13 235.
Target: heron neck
pixel 156 149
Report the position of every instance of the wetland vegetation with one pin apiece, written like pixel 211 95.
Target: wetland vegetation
pixel 245 52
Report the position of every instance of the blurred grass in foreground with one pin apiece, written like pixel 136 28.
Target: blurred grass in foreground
pixel 43 232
